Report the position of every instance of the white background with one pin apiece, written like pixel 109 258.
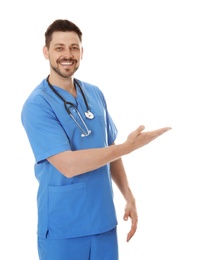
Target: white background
pixel 145 56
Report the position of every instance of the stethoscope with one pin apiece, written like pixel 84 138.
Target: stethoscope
pixel 68 104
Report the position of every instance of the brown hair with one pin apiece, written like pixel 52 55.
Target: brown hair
pixel 62 26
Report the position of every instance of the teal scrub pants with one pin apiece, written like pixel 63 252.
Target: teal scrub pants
pixel 103 246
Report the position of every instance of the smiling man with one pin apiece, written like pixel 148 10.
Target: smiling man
pixel 72 136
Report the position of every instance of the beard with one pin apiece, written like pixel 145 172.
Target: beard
pixel 68 72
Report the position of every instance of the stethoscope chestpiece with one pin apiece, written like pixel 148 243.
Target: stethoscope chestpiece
pixel 86 134
pixel 89 114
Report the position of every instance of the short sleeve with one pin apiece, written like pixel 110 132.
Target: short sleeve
pixel 45 133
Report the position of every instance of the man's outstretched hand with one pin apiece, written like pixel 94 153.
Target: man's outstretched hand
pixel 138 138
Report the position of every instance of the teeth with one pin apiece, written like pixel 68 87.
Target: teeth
pixel 66 63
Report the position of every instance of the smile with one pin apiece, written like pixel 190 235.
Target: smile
pixel 67 63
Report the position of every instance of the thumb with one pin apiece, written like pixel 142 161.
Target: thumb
pixel 125 216
pixel 140 129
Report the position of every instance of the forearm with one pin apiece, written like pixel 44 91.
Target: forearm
pixel 72 163
pixel 120 178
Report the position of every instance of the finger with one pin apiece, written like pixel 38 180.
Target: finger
pixel 133 228
pixel 140 129
pixel 158 132
pixel 125 217
pixel 165 129
pixel 131 233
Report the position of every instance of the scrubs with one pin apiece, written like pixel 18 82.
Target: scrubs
pixel 69 207
pixel 97 247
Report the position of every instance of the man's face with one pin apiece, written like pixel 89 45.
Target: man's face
pixel 64 53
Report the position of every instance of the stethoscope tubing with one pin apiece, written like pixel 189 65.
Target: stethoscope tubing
pixel 67 102
pixel 88 113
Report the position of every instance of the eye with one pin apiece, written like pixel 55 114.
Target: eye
pixel 59 48
pixel 75 48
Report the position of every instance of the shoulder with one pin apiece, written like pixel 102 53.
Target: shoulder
pixel 38 102
pixel 39 94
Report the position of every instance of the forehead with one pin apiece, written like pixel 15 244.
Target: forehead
pixel 65 38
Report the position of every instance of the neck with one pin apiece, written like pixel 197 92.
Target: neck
pixel 64 83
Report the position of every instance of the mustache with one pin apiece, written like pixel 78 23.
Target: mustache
pixel 66 60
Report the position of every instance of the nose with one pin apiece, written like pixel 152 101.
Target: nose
pixel 68 54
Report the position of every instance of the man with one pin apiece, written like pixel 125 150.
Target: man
pixel 73 137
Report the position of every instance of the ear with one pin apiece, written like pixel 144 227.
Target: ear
pixel 45 52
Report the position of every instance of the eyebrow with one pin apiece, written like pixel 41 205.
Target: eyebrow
pixel 61 44
pixel 58 44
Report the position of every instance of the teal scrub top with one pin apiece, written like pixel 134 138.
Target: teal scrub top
pixel 81 205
